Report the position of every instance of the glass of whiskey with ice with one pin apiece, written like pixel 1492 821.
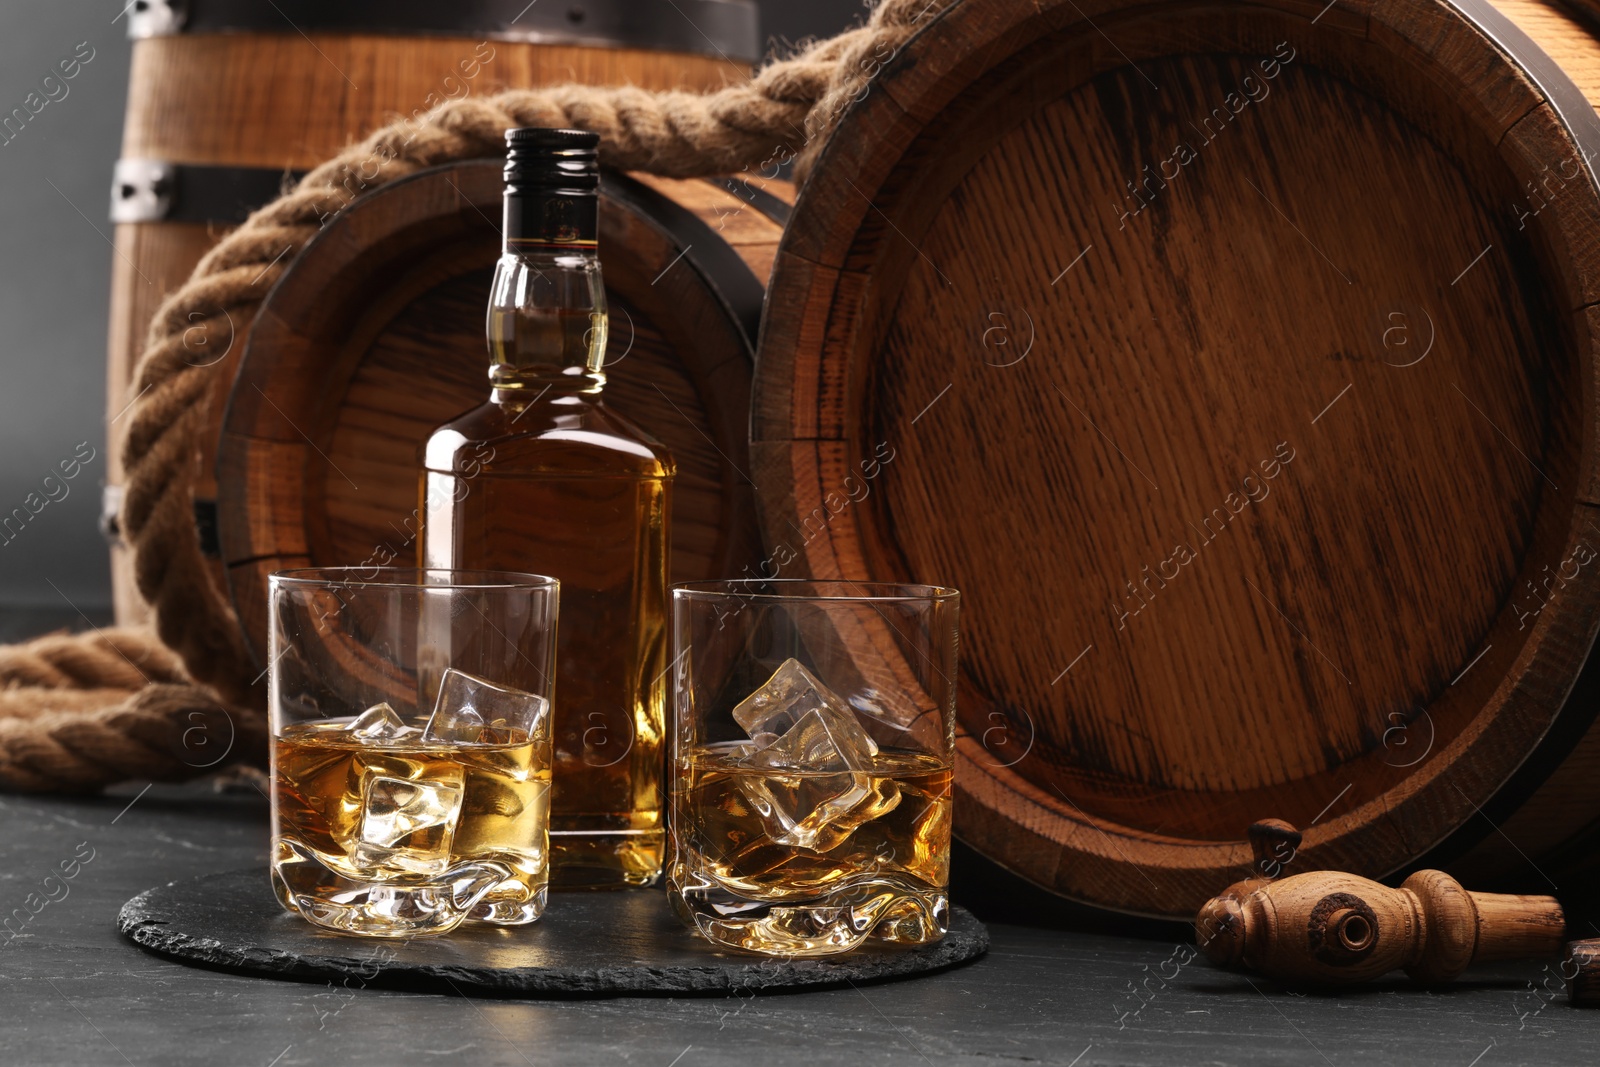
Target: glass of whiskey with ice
pixel 812 742
pixel 411 746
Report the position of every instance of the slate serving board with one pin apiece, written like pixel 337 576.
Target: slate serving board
pixel 586 945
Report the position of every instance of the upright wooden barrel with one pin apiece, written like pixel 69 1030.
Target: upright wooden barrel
pixel 374 336
pixel 229 98
pixel 1238 365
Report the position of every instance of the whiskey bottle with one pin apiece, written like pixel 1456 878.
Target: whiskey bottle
pixel 546 478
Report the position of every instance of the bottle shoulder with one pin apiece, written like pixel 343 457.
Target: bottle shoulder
pixel 568 435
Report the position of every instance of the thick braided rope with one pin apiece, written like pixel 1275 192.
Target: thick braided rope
pixel 114 658
pixel 161 732
pixel 82 712
pixel 782 113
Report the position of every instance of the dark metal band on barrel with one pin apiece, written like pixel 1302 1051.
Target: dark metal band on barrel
pixel 726 28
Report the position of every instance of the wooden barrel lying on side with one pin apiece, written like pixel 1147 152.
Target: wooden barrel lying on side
pixel 1238 365
pixel 228 98
pixel 375 336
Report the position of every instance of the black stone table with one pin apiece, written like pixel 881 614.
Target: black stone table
pixel 1070 988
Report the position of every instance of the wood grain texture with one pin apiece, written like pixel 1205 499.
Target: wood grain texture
pixel 1566 31
pixel 1245 397
pixel 1332 928
pixel 284 101
pixel 291 101
pixel 1581 969
pixel 375 336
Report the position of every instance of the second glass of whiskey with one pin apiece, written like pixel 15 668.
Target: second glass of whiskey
pixel 544 476
pixel 813 737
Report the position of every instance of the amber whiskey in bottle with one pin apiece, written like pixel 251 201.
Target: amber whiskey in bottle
pixel 546 478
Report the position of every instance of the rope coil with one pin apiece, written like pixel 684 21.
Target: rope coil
pixel 82 712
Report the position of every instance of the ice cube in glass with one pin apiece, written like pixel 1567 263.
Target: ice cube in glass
pixel 475 711
pixel 785 698
pixel 379 723
pixel 409 823
pixel 817 787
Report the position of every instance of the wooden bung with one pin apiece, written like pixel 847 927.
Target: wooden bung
pixel 1243 377
pixel 1332 928
pixel 1581 969
pixel 238 95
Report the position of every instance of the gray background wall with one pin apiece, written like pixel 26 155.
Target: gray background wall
pixel 55 266
pixel 55 271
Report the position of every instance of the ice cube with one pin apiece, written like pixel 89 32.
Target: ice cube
pixel 473 711
pixel 822 740
pixel 379 723
pixel 816 785
pixel 817 812
pixel 787 697
pixel 409 823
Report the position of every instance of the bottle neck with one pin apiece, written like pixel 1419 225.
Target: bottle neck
pixel 547 321
pixel 538 220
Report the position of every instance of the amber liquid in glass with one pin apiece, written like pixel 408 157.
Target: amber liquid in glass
pixel 884 877
pixel 457 804
pixel 545 478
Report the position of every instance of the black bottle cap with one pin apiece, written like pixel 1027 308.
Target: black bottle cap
pixel 547 161
pixel 552 190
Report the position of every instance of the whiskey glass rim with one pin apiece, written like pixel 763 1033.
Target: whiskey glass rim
pixel 412 578
pixel 813 589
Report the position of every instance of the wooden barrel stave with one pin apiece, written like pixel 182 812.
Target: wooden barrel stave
pixel 194 89
pixel 1566 31
pixel 862 291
